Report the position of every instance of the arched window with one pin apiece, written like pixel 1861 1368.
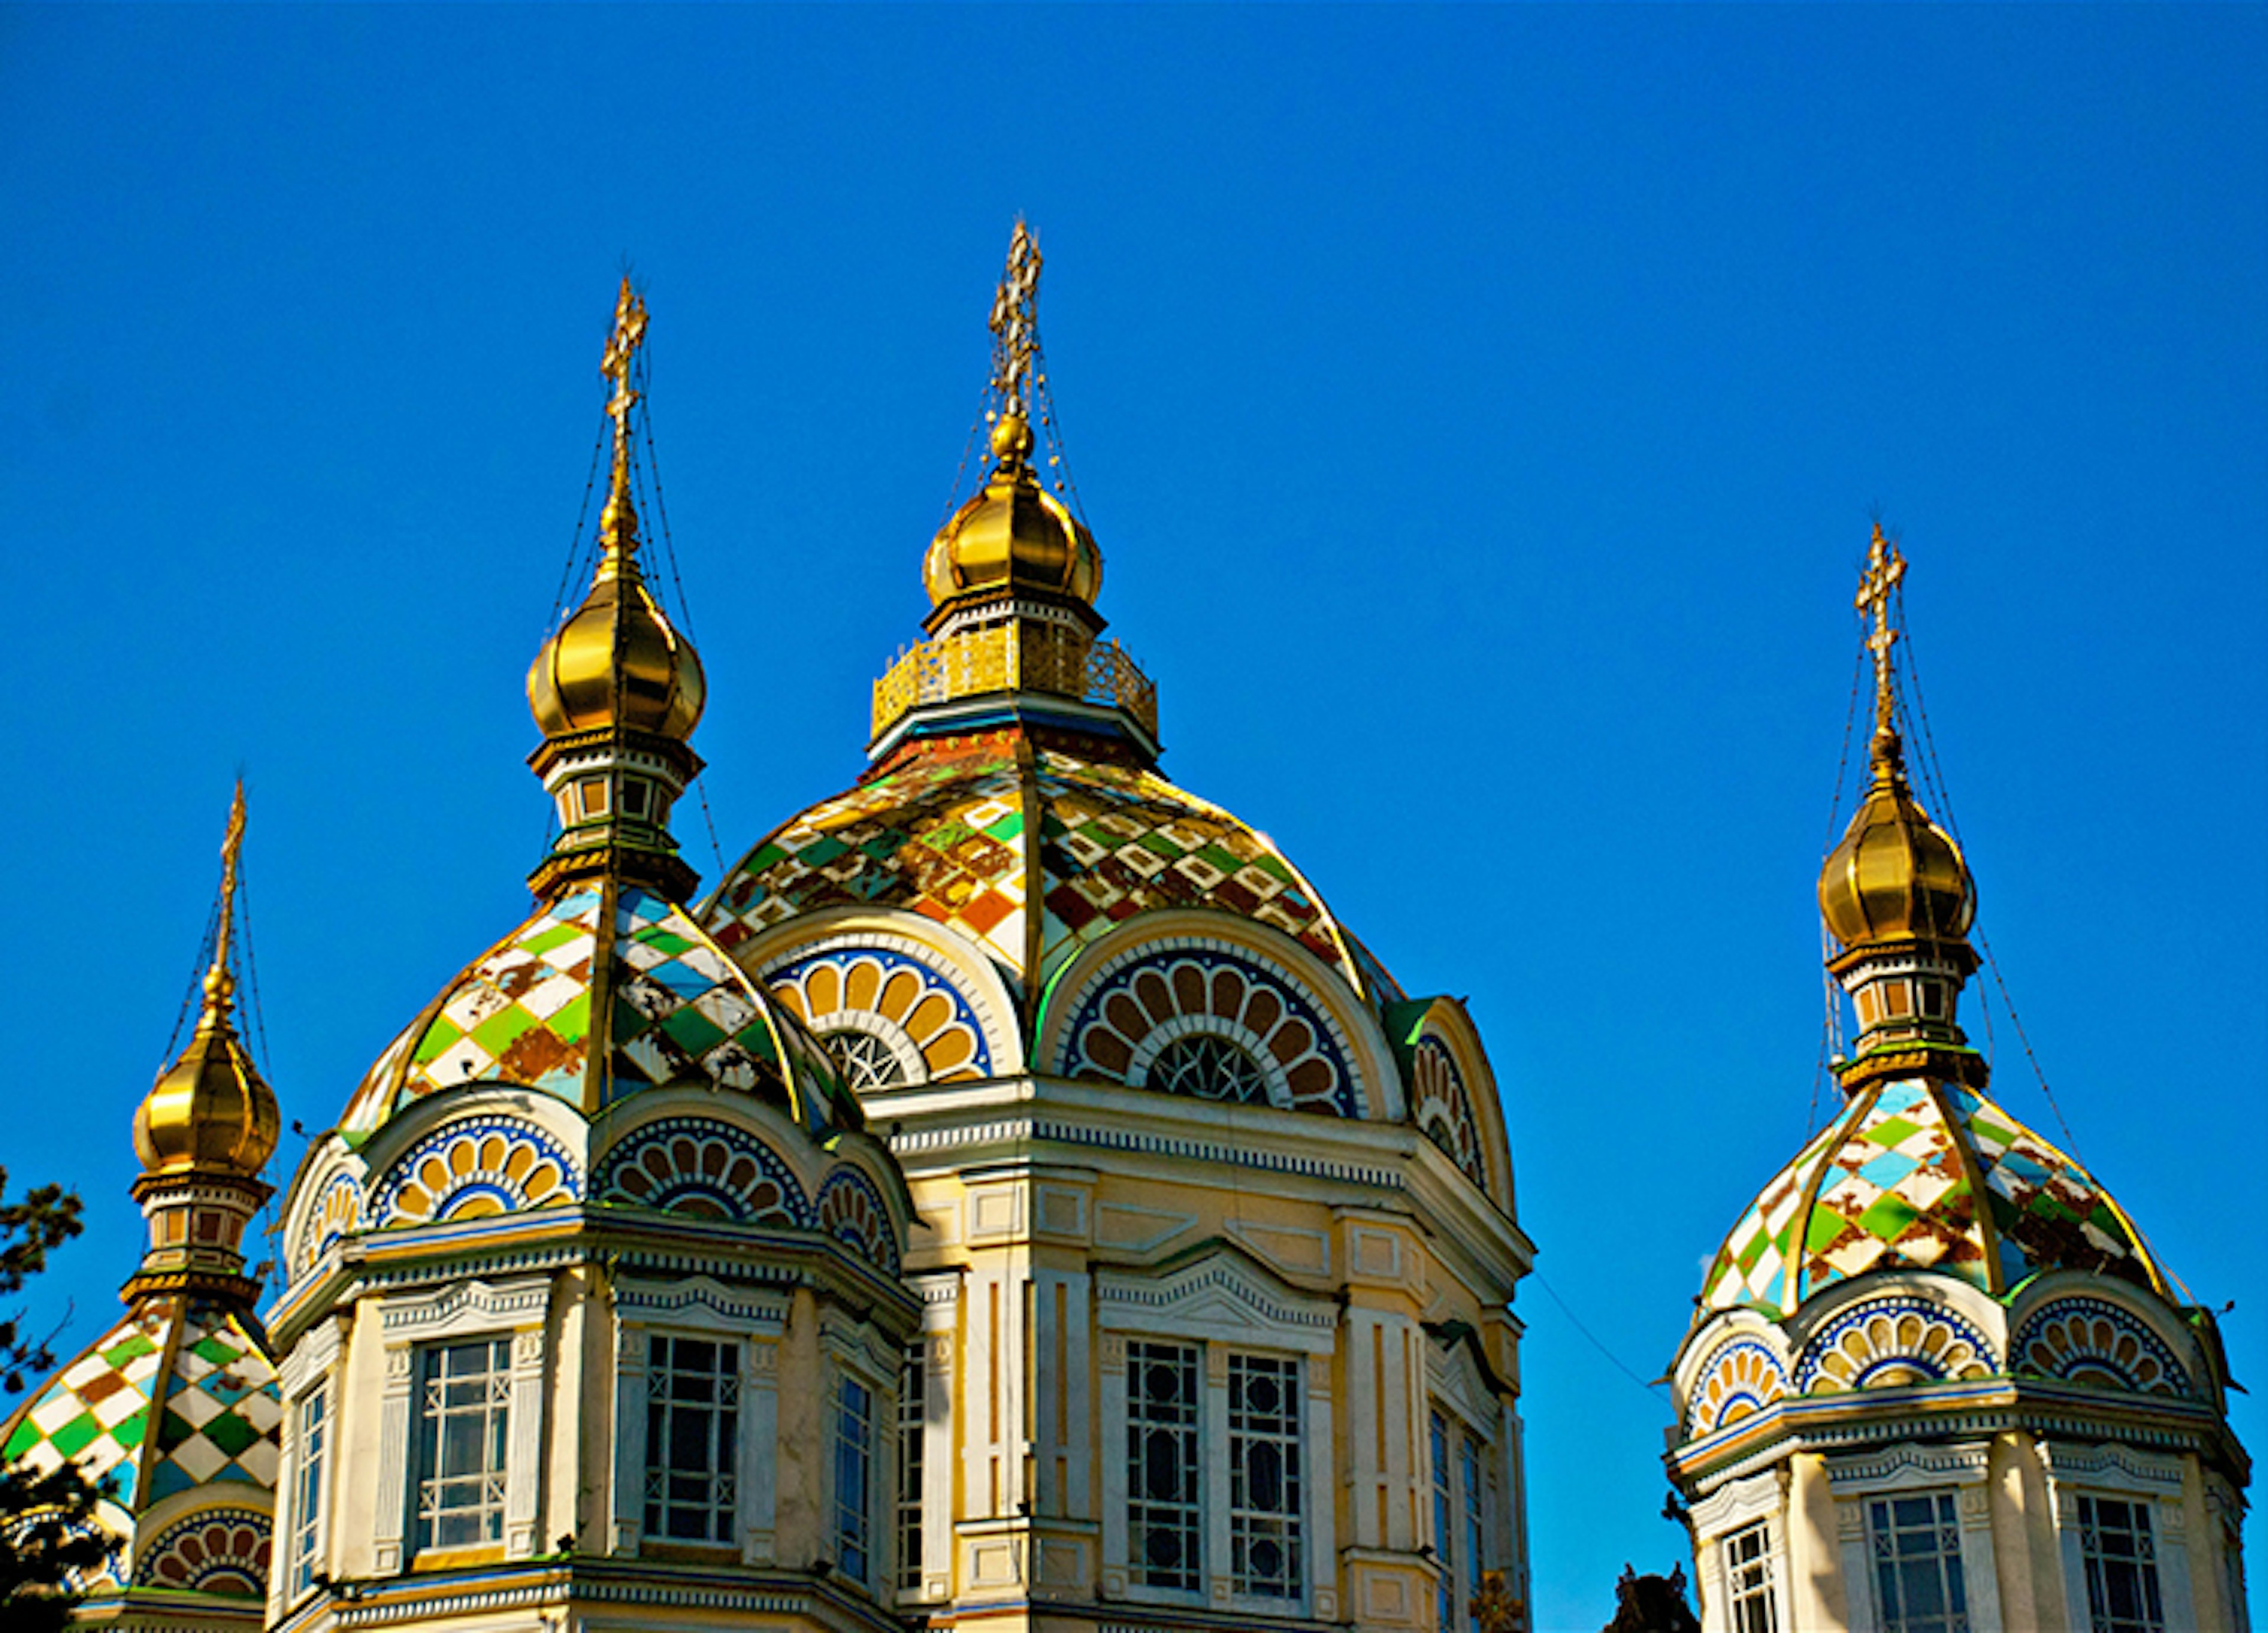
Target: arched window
pixel 1208 1067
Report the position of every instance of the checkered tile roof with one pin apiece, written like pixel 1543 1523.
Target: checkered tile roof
pixel 678 1010
pixel 947 831
pixel 1894 1182
pixel 174 1397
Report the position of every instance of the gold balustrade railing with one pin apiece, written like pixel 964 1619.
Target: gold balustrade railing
pixel 1012 657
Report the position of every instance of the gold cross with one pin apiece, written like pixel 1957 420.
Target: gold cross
pixel 622 347
pixel 218 982
pixel 1885 568
pixel 1015 320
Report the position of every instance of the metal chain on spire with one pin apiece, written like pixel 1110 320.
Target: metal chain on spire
pixel 1934 787
pixel 1830 1028
pixel 683 602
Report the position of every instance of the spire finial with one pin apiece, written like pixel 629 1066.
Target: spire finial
pixel 220 986
pixel 619 523
pixel 1885 570
pixel 1016 343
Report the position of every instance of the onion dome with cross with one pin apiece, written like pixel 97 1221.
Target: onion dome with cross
pixel 1928 1280
pixel 173 1413
pixel 1015 886
pixel 611 987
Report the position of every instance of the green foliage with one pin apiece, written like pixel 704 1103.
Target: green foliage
pixel 45 1219
pixel 48 1529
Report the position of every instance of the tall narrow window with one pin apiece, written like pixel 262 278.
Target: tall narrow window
pixel 1468 1476
pixel 2122 1566
pixel 314 1438
pixel 692 1438
pixel 1445 1589
pixel 1916 1542
pixel 465 1400
pixel 1748 1579
pixel 854 1472
pixel 1264 1476
pixel 1162 1473
pixel 911 1416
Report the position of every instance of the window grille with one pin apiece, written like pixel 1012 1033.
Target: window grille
pixel 1748 1579
pixel 1445 1588
pixel 866 1061
pixel 465 1400
pixel 1162 1471
pixel 1263 1476
pixel 854 1469
pixel 911 1414
pixel 2121 1554
pixel 1208 1067
pixel 692 1438
pixel 307 1488
pixel 1468 1472
pixel 1916 1545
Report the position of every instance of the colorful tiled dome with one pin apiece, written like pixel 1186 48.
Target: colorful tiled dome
pixel 179 1395
pixel 540 1010
pixel 1893 1184
pixel 959 831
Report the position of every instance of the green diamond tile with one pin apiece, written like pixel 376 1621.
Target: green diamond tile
pixel 231 1434
pixel 217 1348
pixel 1891 1131
pixel 131 1348
pixel 442 1032
pixel 496 1033
pixel 693 1031
pixel 557 936
pixel 1890 1215
pixel 23 1440
pixel 75 1435
pixel 1826 1225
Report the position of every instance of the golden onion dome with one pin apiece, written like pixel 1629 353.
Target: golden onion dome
pixel 617 661
pixel 1014 536
pixel 1896 875
pixel 211 1108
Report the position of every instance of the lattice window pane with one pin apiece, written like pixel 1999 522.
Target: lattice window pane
pixel 693 1437
pixel 314 1438
pixel 1265 1480
pixel 1916 1544
pixel 912 1417
pixel 1748 1579
pixel 854 1472
pixel 1445 1589
pixel 2121 1552
pixel 466 1393
pixel 1164 1509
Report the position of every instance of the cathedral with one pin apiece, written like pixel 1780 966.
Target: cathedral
pixel 1010 1198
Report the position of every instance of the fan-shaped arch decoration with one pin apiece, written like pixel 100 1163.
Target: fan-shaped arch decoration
pixel 927 1028
pixel 2092 1340
pixel 1129 1019
pixel 1740 1380
pixel 1890 1342
pixel 335 1212
pixel 1443 1109
pixel 475 1167
pixel 852 1212
pixel 710 1169
pixel 111 1572
pixel 215 1550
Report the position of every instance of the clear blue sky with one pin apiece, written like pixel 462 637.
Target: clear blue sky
pixel 1481 410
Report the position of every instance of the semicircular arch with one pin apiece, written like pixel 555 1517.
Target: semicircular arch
pixel 1115 1009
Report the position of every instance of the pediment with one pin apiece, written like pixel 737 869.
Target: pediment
pixel 1221 1297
